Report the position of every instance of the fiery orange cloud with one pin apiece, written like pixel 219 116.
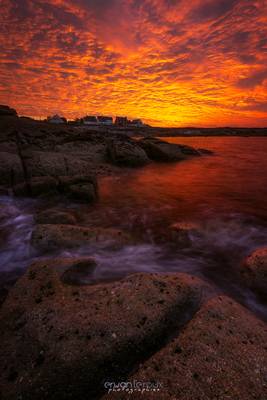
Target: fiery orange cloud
pixel 169 62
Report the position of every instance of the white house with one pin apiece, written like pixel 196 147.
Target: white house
pixel 137 123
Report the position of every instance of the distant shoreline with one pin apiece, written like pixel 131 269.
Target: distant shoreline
pixel 16 122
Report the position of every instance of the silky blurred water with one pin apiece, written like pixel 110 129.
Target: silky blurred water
pixel 223 195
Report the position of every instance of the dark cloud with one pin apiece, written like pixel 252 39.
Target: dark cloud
pixel 247 58
pixel 172 3
pixel 71 42
pixel 254 105
pixel 59 14
pixel 97 71
pixel 257 106
pixel 211 9
pixel 20 10
pixel 11 65
pixel 66 74
pixel 24 11
pixel 97 6
pixel 253 80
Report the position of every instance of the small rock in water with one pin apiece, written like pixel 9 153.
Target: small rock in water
pixel 254 271
pixel 51 237
pixel 159 150
pixel 178 234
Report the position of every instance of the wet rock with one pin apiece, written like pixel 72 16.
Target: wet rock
pixel 158 150
pixel 9 147
pixel 205 151
pixel 181 233
pixel 51 237
pixel 11 170
pixel 88 333
pixel 80 272
pixel 188 150
pixel 254 271
pixel 39 186
pixel 55 164
pixel 78 188
pixel 81 188
pixel 44 163
pixel 54 216
pixel 220 354
pixel 3 191
pixel 126 153
pixel 178 235
pixel 92 149
pixel 43 186
pixel 82 192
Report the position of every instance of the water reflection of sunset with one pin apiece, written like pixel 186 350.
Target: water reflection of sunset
pixel 170 62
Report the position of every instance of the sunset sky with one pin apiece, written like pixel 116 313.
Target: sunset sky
pixel 169 62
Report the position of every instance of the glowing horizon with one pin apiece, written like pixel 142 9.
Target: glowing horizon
pixel 167 62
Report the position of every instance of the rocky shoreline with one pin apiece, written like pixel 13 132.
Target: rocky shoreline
pixel 40 159
pixel 65 336
pixel 61 340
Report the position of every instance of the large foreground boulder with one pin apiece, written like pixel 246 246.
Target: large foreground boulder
pixel 126 153
pixel 254 271
pixel 52 237
pixel 79 271
pixel 158 150
pixel 220 354
pixel 63 342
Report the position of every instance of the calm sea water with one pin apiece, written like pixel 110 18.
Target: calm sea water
pixel 224 195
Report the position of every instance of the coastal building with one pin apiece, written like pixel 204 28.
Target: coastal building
pixel 90 120
pixel 121 121
pixel 124 122
pixel 56 119
pixel 137 122
pixel 103 120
